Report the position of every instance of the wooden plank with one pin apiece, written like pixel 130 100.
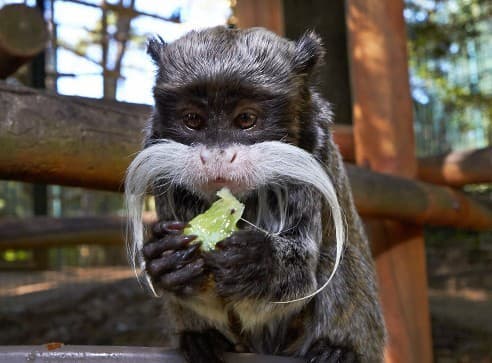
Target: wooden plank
pixel 260 13
pixel 327 19
pixel 457 168
pixel 67 140
pixel 60 353
pixel 410 201
pixel 89 143
pixel 42 232
pixel 384 142
pixel 376 195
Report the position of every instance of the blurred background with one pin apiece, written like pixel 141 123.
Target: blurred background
pixel 70 290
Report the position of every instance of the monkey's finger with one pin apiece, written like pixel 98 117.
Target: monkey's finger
pixel 183 276
pixel 221 260
pixel 171 242
pixel 172 261
pixel 160 229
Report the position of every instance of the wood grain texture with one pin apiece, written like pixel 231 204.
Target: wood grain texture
pixel 260 13
pixel 455 168
pixel 384 142
pixel 67 140
pixel 23 34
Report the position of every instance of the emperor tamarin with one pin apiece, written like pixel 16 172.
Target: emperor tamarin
pixel 239 108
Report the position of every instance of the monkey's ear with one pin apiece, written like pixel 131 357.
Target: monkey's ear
pixel 309 52
pixel 155 46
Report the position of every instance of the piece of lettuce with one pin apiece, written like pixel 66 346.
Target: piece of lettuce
pixel 218 222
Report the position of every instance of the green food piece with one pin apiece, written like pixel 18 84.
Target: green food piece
pixel 218 222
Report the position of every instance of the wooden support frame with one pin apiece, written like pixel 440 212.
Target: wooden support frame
pixel 455 168
pixel 60 353
pixel 60 140
pixel 384 142
pixel 32 123
pixel 89 126
pixel 376 196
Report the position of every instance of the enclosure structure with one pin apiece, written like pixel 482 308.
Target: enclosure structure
pixel 387 193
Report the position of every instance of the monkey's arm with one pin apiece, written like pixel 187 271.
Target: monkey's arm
pixel 171 261
pixel 276 267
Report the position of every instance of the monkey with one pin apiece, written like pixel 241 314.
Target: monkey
pixel 240 109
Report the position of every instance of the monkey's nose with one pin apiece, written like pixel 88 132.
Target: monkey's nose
pixel 221 155
pixel 205 156
pixel 229 155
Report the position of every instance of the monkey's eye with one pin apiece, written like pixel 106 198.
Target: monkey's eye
pixel 193 120
pixel 245 120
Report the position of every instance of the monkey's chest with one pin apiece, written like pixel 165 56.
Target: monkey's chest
pixel 210 307
pixel 260 326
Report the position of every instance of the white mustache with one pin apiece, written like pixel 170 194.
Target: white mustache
pixel 267 163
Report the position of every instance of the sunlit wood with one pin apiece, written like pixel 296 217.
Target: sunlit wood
pixel 384 142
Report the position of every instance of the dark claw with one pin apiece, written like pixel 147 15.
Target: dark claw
pixel 172 261
pixel 172 242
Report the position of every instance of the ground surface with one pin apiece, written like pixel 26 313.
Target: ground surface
pixel 67 306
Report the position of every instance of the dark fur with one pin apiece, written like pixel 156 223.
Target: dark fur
pixel 215 69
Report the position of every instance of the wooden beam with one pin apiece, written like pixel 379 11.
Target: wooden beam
pixel 376 195
pixel 32 123
pixel 402 199
pixel 327 19
pixel 89 143
pixel 383 133
pixel 67 140
pixel 457 168
pixel 42 232
pixel 60 353
pixel 23 34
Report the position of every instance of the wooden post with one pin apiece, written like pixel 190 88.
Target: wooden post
pixel 327 19
pixel 264 13
pixel 384 142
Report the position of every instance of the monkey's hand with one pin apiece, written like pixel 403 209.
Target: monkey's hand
pixel 172 262
pixel 242 264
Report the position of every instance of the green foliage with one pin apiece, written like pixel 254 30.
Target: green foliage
pixel 450 51
pixel 16 255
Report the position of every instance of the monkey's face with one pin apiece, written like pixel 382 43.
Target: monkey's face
pixel 220 90
pixel 218 122
pixel 233 108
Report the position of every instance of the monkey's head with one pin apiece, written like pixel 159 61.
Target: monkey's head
pixel 222 86
pixel 221 89
pixel 233 108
